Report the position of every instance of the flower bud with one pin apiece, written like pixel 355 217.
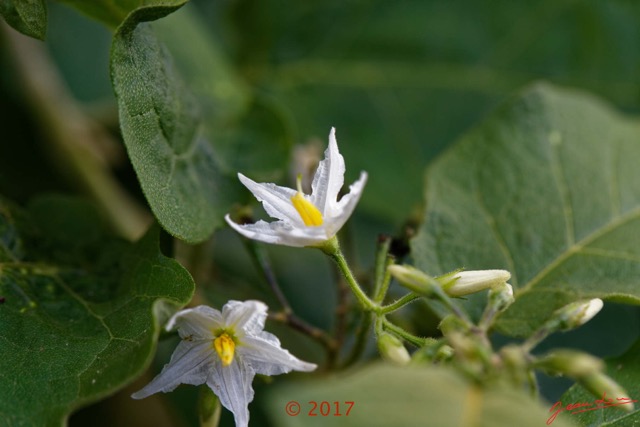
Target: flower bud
pixel 577 313
pixel 392 350
pixel 469 282
pixel 603 386
pixel 444 353
pixel 571 363
pixel 501 297
pixel 413 279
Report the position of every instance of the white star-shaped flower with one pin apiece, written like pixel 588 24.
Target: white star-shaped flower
pixel 225 350
pixel 304 220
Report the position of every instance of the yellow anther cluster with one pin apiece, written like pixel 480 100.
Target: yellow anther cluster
pixel 225 347
pixel 310 215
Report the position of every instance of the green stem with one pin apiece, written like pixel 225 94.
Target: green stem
pixel 536 338
pixel 382 276
pixel 532 381
pixel 487 318
pixel 441 295
pixel 386 309
pixel 407 336
pixel 338 257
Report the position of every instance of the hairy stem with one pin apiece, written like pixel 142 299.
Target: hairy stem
pixel 399 303
pixel 365 303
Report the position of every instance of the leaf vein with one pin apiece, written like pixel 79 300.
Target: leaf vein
pixel 491 222
pixel 555 141
pixel 588 239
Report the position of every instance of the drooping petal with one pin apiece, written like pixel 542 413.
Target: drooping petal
pixel 189 364
pixel 342 210
pixel 276 200
pixel 245 317
pixel 329 176
pixel 264 354
pixel 280 233
pixel 197 322
pixel 232 385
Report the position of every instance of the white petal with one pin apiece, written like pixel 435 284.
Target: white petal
pixel 246 318
pixel 232 385
pixel 329 176
pixel 591 308
pixel 189 364
pixel 197 322
pixel 342 210
pixel 266 356
pixel 276 200
pixel 280 233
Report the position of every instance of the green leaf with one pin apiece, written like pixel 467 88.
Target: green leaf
pixel 547 189
pixel 80 309
pixel 250 132
pixel 625 370
pixel 113 12
pixel 384 395
pixel 27 16
pixel 165 134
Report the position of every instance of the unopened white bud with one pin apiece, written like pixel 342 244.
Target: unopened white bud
pixel 392 349
pixel 501 297
pixel 470 282
pixel 578 313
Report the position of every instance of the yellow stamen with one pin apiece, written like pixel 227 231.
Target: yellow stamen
pixel 225 347
pixel 310 215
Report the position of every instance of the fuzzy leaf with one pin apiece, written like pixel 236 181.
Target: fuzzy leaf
pixel 547 189
pixel 27 16
pixel 163 129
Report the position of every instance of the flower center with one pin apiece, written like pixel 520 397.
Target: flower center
pixel 225 347
pixel 310 215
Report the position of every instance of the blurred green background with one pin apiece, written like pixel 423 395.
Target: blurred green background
pixel 399 80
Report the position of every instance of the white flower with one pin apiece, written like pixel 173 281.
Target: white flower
pixel 304 220
pixel 225 350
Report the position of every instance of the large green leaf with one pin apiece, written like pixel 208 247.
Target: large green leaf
pixel 384 395
pixel 80 309
pixel 625 370
pixel 164 132
pixel 27 16
pixel 547 189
